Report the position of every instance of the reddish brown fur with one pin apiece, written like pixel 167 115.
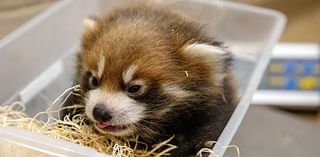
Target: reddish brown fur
pixel 151 42
pixel 153 38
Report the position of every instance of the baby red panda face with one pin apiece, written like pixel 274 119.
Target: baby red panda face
pixel 123 96
pixel 129 77
pixel 115 109
pixel 136 76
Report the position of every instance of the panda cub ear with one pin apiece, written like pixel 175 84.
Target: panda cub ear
pixel 216 56
pixel 90 25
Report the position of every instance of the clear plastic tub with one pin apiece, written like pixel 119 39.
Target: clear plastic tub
pixel 36 61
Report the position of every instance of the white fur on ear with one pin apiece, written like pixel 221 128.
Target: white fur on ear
pixel 204 50
pixel 215 56
pixel 89 24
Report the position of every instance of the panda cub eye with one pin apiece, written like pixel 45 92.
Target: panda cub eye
pixel 93 82
pixel 135 89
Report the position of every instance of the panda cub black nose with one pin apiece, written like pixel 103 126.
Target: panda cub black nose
pixel 100 114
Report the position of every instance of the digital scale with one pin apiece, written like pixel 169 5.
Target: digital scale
pixel 292 77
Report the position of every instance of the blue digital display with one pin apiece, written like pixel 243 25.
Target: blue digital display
pixel 292 74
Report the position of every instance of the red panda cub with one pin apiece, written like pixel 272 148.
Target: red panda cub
pixel 149 71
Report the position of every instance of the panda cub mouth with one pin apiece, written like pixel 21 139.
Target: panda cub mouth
pixel 109 127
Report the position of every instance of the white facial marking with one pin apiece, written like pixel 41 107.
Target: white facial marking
pixel 101 65
pixel 122 109
pixel 89 24
pixel 175 90
pixel 128 74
